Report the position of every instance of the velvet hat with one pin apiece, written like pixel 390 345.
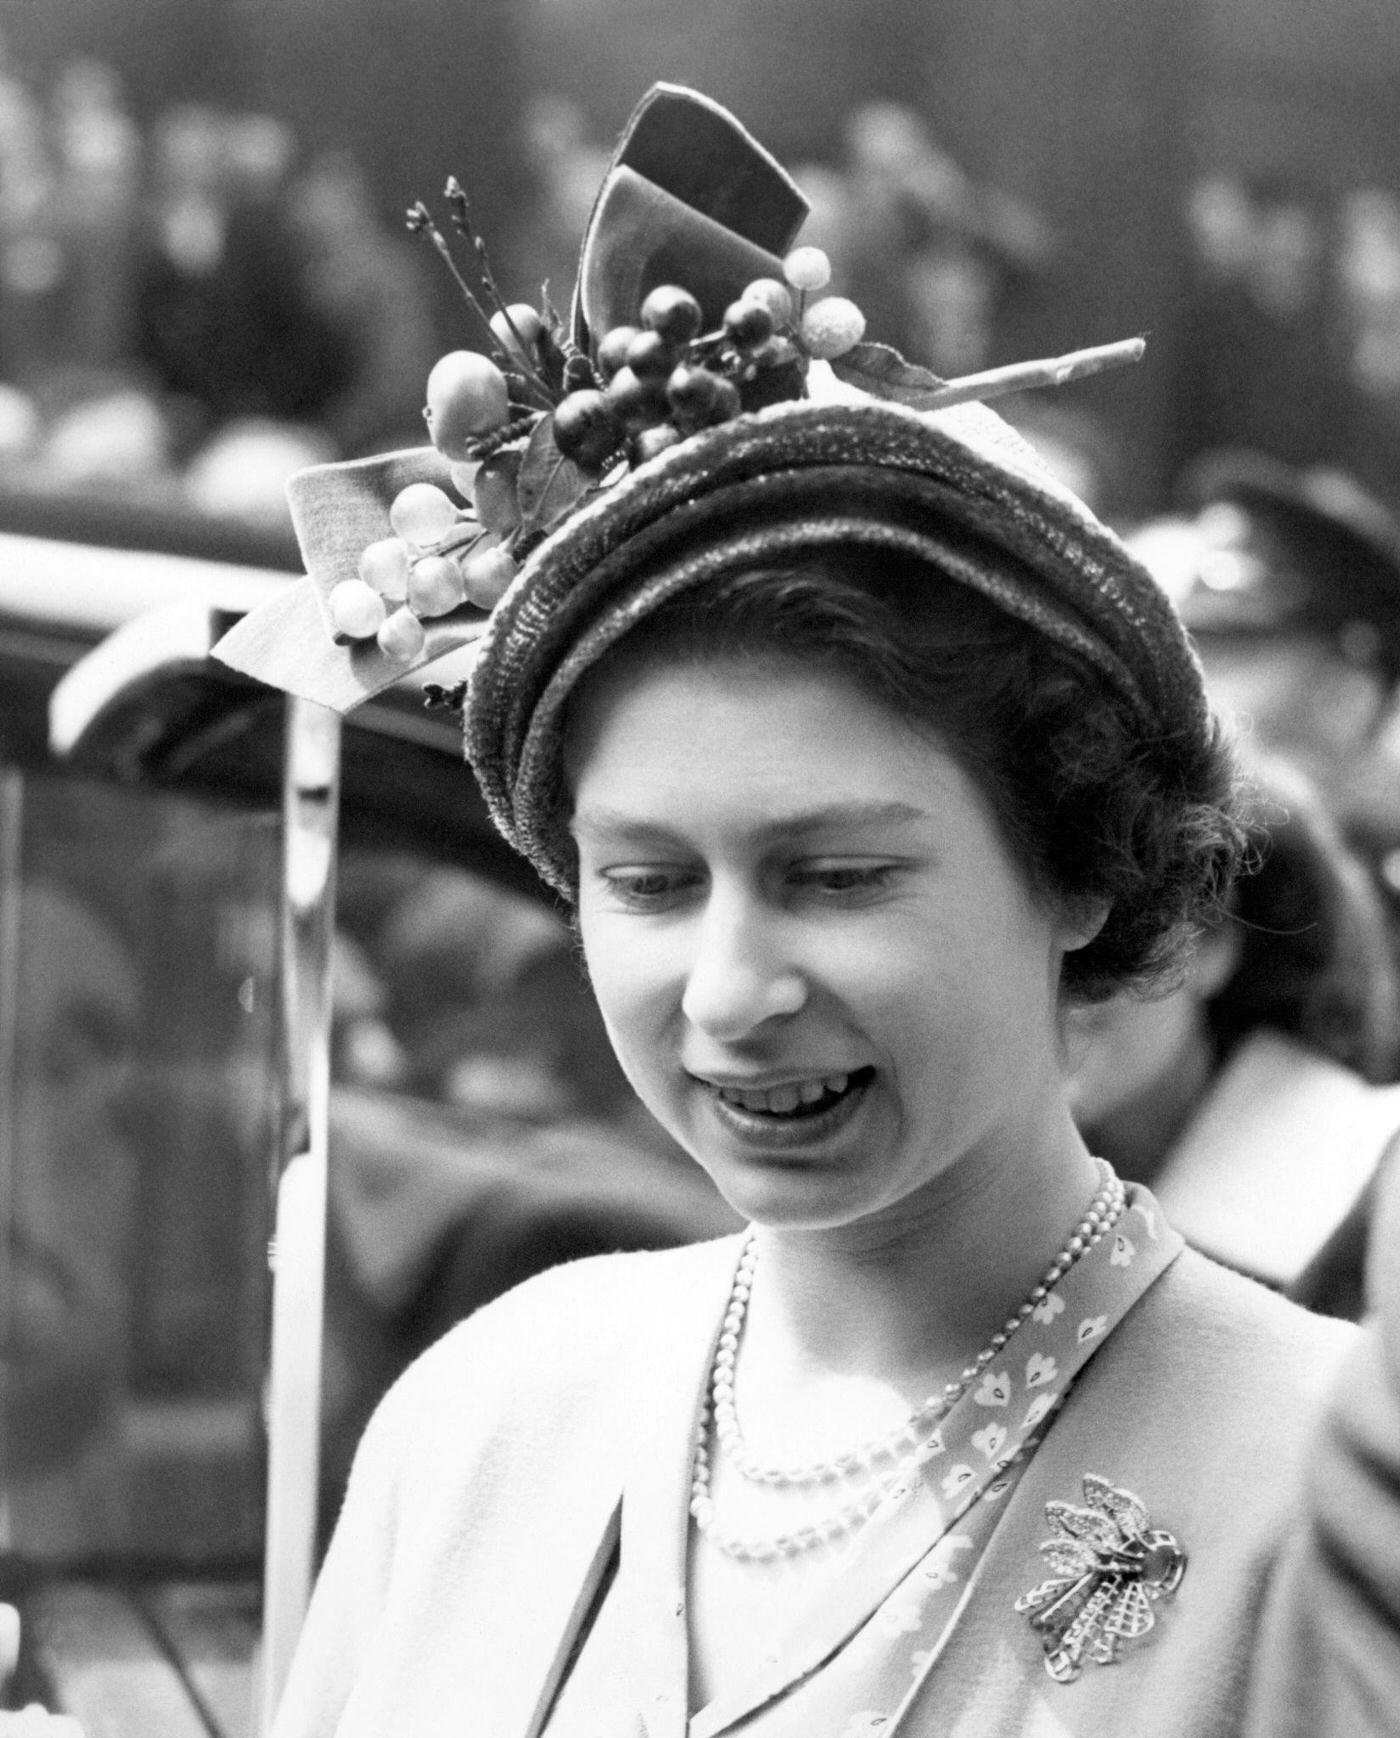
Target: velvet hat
pixel 824 443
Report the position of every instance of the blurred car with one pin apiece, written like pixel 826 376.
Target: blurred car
pixel 477 1128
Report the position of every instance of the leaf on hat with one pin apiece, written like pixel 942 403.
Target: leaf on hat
pixel 552 345
pixel 883 372
pixel 497 489
pixel 549 485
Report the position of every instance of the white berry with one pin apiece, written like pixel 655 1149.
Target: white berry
pixel 807 268
pixel 486 573
pixel 519 325
pixel 831 327
pixel 435 586
pixel 384 565
pixel 401 636
pixel 357 610
pixel 423 514
pixel 467 398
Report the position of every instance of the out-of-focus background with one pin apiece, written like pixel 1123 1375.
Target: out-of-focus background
pixel 200 204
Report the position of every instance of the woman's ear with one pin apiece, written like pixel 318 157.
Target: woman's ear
pixel 1214 962
pixel 1082 922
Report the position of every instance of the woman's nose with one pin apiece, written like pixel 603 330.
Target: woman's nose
pixel 740 975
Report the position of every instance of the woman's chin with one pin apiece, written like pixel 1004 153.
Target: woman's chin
pixel 793 1194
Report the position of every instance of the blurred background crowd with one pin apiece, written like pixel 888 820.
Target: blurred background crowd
pixel 204 276
pixel 206 283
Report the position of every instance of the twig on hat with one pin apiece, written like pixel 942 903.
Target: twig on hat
pixel 420 222
pixel 1024 376
pixel 460 207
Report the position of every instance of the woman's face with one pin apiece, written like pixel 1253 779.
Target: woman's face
pixel 821 968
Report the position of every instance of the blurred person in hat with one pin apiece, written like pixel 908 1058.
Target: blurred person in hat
pixel 1251 1098
pixel 862 753
pixel 1288 581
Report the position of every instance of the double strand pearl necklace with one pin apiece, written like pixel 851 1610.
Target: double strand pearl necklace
pixel 901 1451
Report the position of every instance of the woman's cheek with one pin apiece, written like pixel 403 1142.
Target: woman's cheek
pixel 626 994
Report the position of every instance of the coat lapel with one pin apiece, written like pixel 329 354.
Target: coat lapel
pixel 654 1413
pixel 604 1551
pixel 656 1501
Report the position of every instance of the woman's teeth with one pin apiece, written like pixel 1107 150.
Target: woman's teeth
pixel 784 1100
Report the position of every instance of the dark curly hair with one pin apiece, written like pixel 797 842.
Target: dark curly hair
pixel 1095 811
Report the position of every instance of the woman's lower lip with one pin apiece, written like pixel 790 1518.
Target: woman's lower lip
pixel 780 1134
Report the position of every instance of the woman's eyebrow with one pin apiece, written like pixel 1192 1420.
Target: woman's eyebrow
pixel 600 819
pixel 843 817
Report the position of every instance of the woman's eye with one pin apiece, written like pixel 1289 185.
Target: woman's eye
pixel 645 889
pixel 838 879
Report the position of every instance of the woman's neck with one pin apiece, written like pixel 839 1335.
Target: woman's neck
pixel 910 1302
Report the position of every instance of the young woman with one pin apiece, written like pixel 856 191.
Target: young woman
pixel 863 752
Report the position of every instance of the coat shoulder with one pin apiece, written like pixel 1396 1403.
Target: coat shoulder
pixel 1211 1392
pixel 567 1333
pixel 1215 1322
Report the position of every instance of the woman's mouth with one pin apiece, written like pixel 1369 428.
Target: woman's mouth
pixel 798 1108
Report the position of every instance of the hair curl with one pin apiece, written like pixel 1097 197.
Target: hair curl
pixel 1096 812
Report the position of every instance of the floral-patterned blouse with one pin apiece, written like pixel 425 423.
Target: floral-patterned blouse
pixel 853 1661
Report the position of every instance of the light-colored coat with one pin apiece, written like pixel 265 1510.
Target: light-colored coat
pixel 486 1494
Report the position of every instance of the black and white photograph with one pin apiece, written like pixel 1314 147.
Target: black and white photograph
pixel 699 869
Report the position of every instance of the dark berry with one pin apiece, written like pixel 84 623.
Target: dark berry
pixel 586 429
pixel 775 384
pixel 651 356
pixel 672 312
pixel 612 349
pixel 748 323
pixel 772 352
pixel 727 401
pixel 636 402
pixel 776 297
pixel 693 393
